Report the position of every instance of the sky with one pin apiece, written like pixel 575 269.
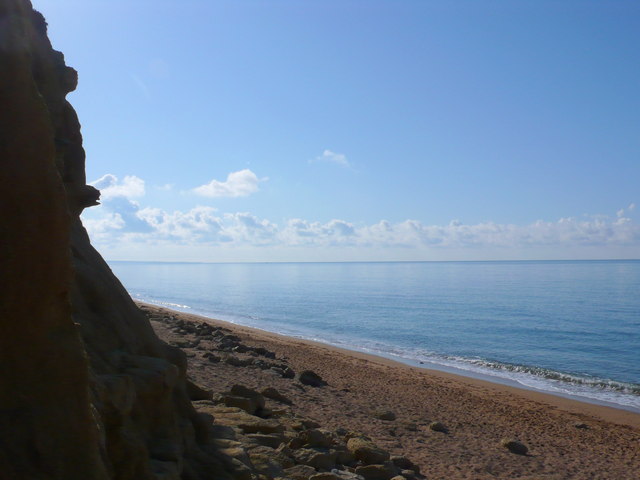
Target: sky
pixel 368 130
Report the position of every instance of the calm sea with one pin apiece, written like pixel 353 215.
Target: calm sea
pixel 566 327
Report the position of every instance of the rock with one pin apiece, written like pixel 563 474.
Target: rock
pixel 344 456
pixel 317 438
pixel 233 449
pixel 404 463
pixel 311 378
pixel 165 470
pixel 211 357
pixel 366 451
pixel 346 475
pixel 398 477
pixel 274 394
pixel 304 423
pixel 246 404
pixel 272 440
pixel 324 476
pixel 242 391
pixel 285 456
pixel 165 450
pixel 385 415
pixel 237 362
pixel 236 417
pixel 375 472
pixel 264 352
pixel 196 392
pixel 284 372
pixel 438 427
pixel 240 348
pixel 581 425
pixel 319 458
pixel 514 446
pixel 299 472
pixel 266 464
pixel 119 393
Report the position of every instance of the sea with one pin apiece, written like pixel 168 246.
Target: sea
pixel 570 328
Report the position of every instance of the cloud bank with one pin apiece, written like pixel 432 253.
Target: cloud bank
pixel 121 221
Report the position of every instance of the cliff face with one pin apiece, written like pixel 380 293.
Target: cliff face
pixel 87 391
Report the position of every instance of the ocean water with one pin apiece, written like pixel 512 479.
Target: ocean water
pixel 564 327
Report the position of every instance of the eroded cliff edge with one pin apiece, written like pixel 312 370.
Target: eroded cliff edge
pixel 87 390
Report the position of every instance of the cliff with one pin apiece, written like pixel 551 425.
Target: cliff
pixel 87 390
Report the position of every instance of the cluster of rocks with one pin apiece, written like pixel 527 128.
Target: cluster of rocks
pixel 220 345
pixel 259 429
pixel 271 443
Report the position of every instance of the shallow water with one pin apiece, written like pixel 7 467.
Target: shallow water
pixel 570 327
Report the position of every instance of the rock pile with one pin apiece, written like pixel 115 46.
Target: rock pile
pixel 260 431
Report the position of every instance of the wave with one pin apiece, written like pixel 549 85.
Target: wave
pixel 159 302
pixel 594 382
pixel 588 388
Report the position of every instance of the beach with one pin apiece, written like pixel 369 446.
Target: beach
pixel 566 439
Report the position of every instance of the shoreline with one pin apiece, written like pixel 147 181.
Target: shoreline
pixel 565 439
pixel 607 412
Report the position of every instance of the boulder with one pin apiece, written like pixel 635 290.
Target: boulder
pixel 324 476
pixel 196 392
pixel 376 472
pixel 384 415
pixel 240 419
pixel 317 438
pixel 404 463
pixel 274 394
pixel 273 440
pixel 319 458
pixel 246 404
pixel 266 465
pixel 299 472
pixel 514 446
pixel 242 391
pixel 438 427
pixel 366 451
pixel 311 378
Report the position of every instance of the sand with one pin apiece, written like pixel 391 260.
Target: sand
pixel 566 439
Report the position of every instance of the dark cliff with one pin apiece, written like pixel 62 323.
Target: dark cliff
pixel 87 390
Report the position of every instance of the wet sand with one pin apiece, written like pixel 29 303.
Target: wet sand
pixel 567 439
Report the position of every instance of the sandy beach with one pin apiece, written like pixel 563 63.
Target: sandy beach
pixel 566 439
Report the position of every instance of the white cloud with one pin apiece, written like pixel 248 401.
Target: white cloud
pixel 110 186
pixel 122 222
pixel 632 207
pixel 332 157
pixel 238 184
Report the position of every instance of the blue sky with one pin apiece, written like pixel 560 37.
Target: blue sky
pixel 357 130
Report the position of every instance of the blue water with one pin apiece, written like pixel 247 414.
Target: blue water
pixel 566 327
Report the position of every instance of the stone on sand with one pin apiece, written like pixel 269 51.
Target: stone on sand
pixel 366 451
pixel 514 446
pixel 311 378
pixel 384 415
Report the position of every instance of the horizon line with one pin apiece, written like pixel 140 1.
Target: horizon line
pixel 378 261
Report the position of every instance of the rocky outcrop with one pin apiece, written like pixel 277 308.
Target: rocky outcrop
pixel 45 374
pixel 87 389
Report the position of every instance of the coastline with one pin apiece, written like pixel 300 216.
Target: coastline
pixel 567 438
pixel 607 410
